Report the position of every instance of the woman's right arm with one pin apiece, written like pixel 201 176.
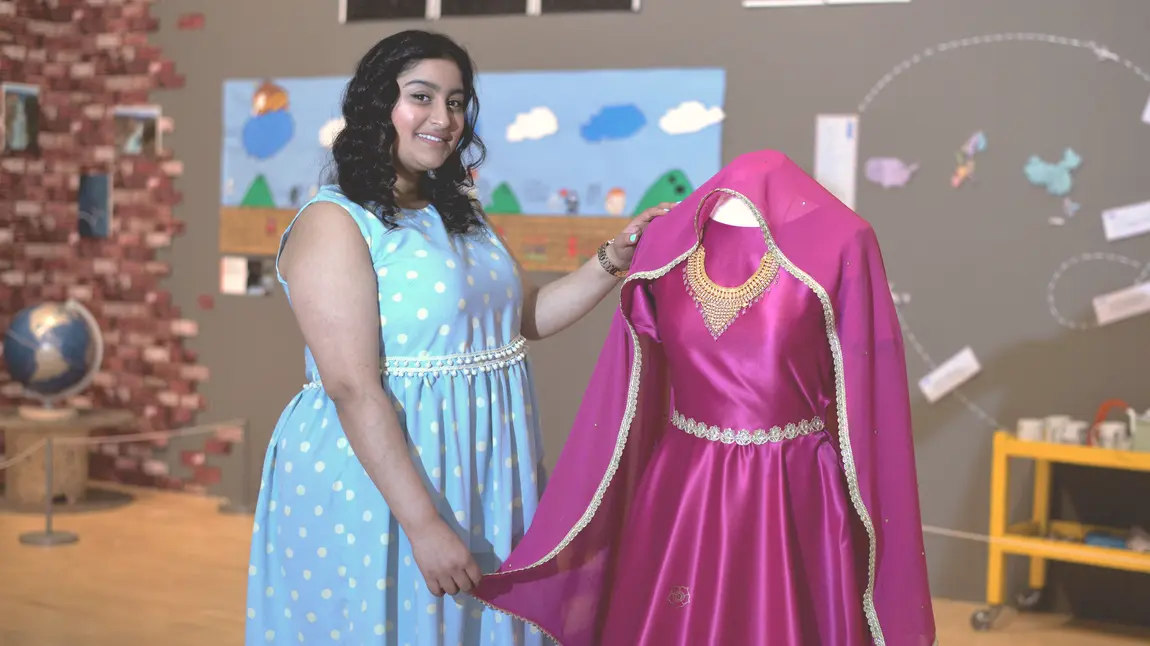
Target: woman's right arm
pixel 335 300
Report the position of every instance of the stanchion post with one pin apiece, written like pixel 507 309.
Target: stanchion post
pixel 49 537
pixel 245 504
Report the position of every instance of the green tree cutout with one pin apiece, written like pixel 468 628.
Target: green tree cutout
pixel 672 186
pixel 503 201
pixel 259 195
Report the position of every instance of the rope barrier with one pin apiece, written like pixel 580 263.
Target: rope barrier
pixel 26 453
pixel 50 537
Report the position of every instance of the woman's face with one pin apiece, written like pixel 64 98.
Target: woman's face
pixel 429 115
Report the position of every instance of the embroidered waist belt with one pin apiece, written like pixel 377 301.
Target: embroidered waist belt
pixel 744 437
pixel 468 363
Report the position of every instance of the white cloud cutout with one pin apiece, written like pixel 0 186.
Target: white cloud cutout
pixel 329 130
pixel 534 124
pixel 688 117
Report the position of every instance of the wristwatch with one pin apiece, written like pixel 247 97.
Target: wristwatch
pixel 605 262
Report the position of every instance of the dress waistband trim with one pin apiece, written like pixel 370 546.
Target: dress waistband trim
pixel 744 437
pixel 467 363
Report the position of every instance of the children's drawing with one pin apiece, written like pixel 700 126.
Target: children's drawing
pixel 569 143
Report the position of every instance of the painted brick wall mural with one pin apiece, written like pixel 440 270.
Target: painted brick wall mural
pixel 79 128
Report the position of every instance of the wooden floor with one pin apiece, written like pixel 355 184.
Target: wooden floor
pixel 169 570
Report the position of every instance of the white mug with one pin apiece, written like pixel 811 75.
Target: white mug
pixel 1054 425
pixel 1074 432
pixel 1031 429
pixel 1113 435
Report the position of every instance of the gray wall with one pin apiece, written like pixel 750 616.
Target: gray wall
pixel 977 261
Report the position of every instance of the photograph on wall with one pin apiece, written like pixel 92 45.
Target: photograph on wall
pixel 567 151
pixel 449 8
pixel 21 118
pixel 364 10
pixel 94 203
pixel 247 276
pixel 137 130
pixel 361 10
pixel 572 6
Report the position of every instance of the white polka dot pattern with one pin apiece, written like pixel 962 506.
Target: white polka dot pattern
pixel 337 569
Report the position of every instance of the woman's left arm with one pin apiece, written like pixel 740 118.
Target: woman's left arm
pixel 560 303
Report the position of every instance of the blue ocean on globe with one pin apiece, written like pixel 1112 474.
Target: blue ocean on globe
pixel 48 348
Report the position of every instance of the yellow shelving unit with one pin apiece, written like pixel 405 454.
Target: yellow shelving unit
pixel 1041 538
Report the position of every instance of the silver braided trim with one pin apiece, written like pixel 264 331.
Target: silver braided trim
pixel 455 364
pixel 745 437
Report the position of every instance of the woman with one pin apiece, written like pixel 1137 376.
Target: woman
pixel 381 496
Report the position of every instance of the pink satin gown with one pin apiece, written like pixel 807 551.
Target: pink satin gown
pixel 741 531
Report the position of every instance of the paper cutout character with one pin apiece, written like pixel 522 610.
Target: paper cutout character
pixel 271 126
pixel 570 201
pixel 965 158
pixel 974 145
pixel 616 201
pixel 964 171
pixel 1056 178
pixel 888 172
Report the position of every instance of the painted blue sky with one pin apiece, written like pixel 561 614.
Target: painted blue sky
pixel 585 132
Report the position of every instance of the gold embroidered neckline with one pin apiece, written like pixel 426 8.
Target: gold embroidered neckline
pixel 720 305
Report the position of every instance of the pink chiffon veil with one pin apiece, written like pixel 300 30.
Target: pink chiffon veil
pixel 558 577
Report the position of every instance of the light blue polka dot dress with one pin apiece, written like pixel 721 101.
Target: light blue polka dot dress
pixel 329 564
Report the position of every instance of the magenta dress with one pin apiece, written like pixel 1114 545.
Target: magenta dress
pixel 761 461
pixel 754 489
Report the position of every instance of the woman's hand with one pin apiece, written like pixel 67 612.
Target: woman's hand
pixel 622 248
pixel 445 562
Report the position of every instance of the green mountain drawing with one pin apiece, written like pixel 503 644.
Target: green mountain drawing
pixel 671 186
pixel 259 195
pixel 503 201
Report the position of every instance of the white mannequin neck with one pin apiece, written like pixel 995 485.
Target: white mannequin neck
pixel 734 212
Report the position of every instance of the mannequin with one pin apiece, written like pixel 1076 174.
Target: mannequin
pixel 741 470
pixel 734 212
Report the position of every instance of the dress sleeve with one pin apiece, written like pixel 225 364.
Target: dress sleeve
pixel 642 313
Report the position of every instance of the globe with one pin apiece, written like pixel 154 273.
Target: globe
pixel 53 350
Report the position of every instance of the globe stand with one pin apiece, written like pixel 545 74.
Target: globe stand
pixel 47 413
pixel 49 537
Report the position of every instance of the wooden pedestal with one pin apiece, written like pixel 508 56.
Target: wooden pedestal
pixel 25 480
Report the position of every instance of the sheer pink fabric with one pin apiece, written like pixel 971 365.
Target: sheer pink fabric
pixel 562 575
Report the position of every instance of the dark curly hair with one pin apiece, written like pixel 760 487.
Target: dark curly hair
pixel 362 151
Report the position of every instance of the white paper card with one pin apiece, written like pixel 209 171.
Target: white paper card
pixel 1126 221
pixel 1122 304
pixel 954 372
pixel 836 155
pixel 1146 112
pixel 233 275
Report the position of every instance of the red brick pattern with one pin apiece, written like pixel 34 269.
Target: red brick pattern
pixel 86 58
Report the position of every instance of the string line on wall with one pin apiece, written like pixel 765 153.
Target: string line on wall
pixel 1088 257
pixel 1102 53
